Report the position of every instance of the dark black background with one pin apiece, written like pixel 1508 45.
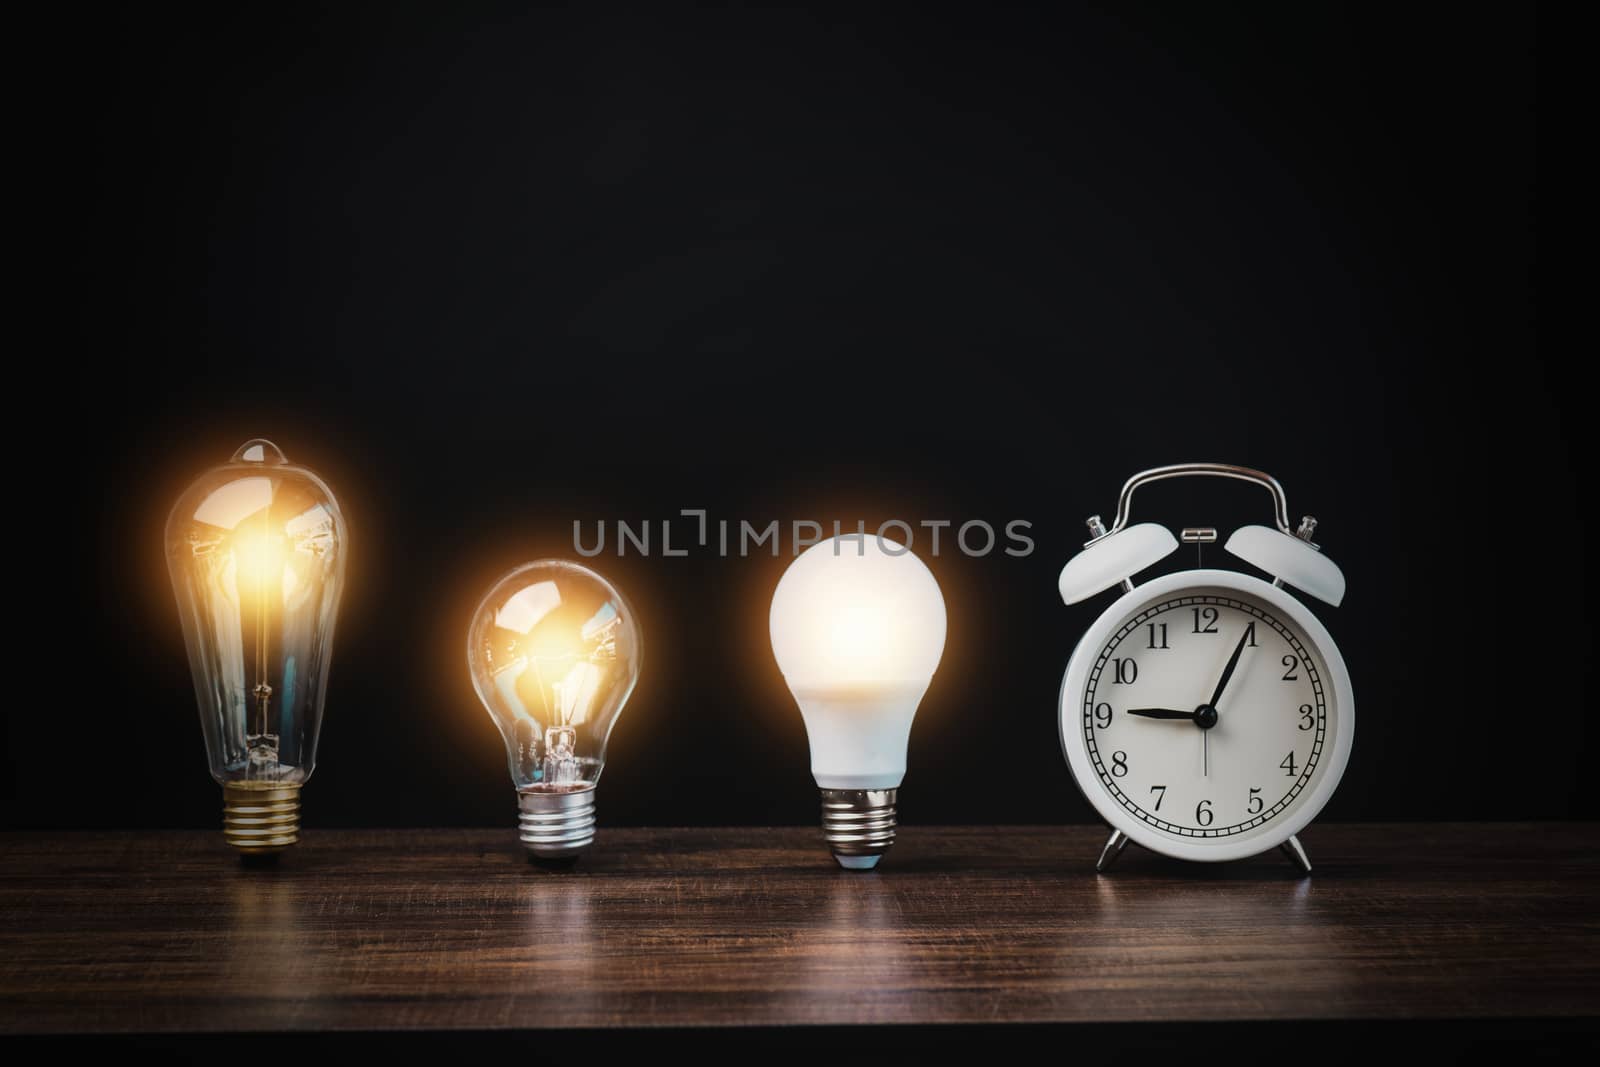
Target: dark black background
pixel 494 271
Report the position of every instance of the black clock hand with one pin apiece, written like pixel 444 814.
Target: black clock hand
pixel 1227 672
pixel 1209 709
pixel 1162 713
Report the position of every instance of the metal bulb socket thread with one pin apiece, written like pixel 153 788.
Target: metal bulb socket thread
pixel 260 818
pixel 858 825
pixel 556 823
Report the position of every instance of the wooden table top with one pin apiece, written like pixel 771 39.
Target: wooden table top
pixel 453 930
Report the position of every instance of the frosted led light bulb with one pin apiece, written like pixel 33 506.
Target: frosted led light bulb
pixel 554 653
pixel 858 627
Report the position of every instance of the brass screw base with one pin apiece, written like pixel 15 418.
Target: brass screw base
pixel 858 825
pixel 260 818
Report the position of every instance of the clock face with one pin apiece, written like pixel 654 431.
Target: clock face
pixel 1208 715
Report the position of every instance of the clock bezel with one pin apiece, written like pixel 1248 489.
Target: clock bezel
pixel 1341 714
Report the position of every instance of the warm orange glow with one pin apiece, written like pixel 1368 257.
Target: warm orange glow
pixel 551 686
pixel 576 692
pixel 260 564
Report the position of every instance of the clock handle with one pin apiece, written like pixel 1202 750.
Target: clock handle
pixel 1280 505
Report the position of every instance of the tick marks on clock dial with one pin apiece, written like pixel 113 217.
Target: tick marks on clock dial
pixel 1265 711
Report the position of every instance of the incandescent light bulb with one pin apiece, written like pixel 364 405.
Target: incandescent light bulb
pixel 256 552
pixel 554 654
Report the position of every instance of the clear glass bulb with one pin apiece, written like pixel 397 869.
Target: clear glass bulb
pixel 554 653
pixel 256 551
pixel 858 627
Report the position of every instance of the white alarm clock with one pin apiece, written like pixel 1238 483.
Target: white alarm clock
pixel 1206 714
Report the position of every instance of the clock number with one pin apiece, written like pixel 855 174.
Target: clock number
pixel 1102 715
pixel 1310 719
pixel 1202 813
pixel 1209 615
pixel 1162 791
pixel 1127 671
pixel 1289 664
pixel 1155 628
pixel 1250 635
pixel 1255 802
pixel 1119 764
pixel 1288 765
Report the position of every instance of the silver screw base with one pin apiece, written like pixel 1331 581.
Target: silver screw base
pixel 858 825
pixel 556 823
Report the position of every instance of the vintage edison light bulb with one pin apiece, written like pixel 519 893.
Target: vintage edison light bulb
pixel 256 551
pixel 554 654
pixel 858 627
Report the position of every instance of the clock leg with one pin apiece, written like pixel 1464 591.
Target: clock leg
pixel 1296 852
pixel 1114 846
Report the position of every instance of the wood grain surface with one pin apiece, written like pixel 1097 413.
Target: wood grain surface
pixel 454 930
